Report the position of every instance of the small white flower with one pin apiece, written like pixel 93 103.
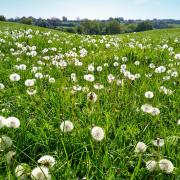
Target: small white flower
pixel 22 171
pixel 99 68
pixel 2 121
pixel 47 161
pixel 66 126
pixel 97 133
pixel 89 77
pixel 52 80
pixel 13 122
pixel 91 68
pixel 92 97
pixel 140 147
pixel 166 166
pixel 10 157
pixel 5 142
pixel 31 91
pixel 2 86
pixel 147 108
pixel 137 63
pixel 14 77
pixel 40 173
pixel 158 142
pixel 155 111
pixel 98 86
pixel 39 75
pixel 29 82
pixel 149 94
pixel 178 122
pixel 151 165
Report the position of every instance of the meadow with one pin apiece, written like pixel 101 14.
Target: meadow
pixel 89 107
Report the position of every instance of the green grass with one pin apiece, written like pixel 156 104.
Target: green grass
pixel 117 110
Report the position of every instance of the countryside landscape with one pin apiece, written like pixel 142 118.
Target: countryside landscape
pixel 97 100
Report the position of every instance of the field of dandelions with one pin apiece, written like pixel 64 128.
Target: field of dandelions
pixel 89 107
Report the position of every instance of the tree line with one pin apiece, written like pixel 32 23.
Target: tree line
pixel 98 27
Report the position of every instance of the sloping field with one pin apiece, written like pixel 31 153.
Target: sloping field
pixel 99 107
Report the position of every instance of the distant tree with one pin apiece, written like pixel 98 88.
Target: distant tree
pixel 42 23
pixel 130 28
pixel 113 27
pixel 64 19
pixel 71 30
pixel 54 22
pixel 2 18
pixel 25 20
pixel 144 26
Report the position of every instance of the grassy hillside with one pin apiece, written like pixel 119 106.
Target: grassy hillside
pixel 88 102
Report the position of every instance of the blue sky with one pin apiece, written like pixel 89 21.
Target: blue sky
pixel 92 9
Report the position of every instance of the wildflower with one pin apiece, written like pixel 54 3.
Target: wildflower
pixel 140 147
pixel 31 91
pixel 89 77
pixel 137 63
pixel 178 122
pixel 22 171
pixel 77 88
pixel 13 122
pixel 39 75
pixel 29 82
pixel 151 165
pixel 99 68
pixel 149 94
pixel 47 161
pixel 92 97
pixel 10 157
pixel 177 56
pixel 66 126
pixel 147 108
pixel 2 121
pixel 97 133
pixel 14 77
pixel 155 111
pixel 2 86
pixel 52 80
pixel 5 142
pixel 110 78
pixel 98 86
pixel 166 166
pixel 158 142
pixel 40 173
pixel 115 64
pixel 91 68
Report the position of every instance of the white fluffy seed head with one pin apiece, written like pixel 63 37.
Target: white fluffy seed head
pixel 2 86
pixel 29 82
pixel 178 122
pixel 151 165
pixel 12 122
pixel 5 142
pixel 166 166
pixel 158 142
pixel 22 171
pixel 147 108
pixel 2 121
pixel 47 161
pixel 66 126
pixel 149 94
pixel 140 147
pixel 155 111
pixel 97 133
pixel 89 77
pixel 14 77
pixel 92 97
pixel 40 173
